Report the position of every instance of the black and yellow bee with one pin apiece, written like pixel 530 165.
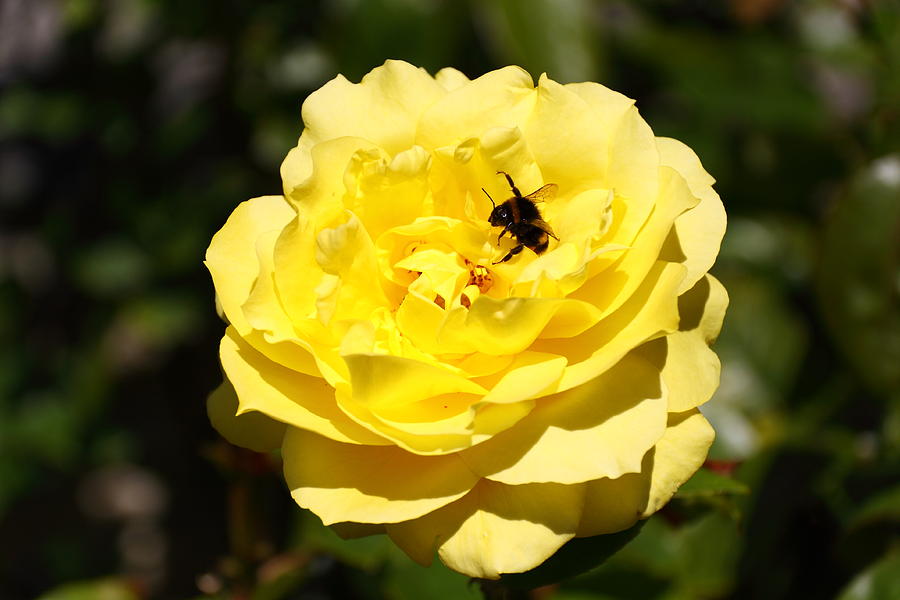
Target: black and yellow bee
pixel 521 218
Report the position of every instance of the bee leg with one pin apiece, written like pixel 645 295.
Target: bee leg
pixel 510 254
pixel 502 233
pixel 512 186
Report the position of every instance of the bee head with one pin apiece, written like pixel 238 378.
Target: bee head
pixel 500 215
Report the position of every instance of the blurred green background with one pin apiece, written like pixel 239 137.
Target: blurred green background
pixel 129 130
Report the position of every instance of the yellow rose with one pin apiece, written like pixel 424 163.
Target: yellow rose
pixel 418 387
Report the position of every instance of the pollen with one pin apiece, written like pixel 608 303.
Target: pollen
pixel 480 276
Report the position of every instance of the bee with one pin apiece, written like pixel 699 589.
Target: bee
pixel 521 218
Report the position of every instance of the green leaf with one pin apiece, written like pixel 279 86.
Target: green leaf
pixel 880 581
pixel 707 483
pixel 709 549
pixel 858 291
pixel 406 580
pixel 882 506
pixel 366 553
pixel 546 36
pixel 100 589
pixel 575 557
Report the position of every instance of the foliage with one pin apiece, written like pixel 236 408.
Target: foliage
pixel 128 132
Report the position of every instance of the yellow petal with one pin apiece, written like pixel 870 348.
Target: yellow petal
pixel 491 419
pixel 384 107
pixel 320 194
pixel 699 231
pixel 501 98
pixel 570 139
pixel 650 312
pixel 449 435
pixel 419 319
pixel 351 531
pixel 527 377
pixel 443 271
pixel 285 395
pixel 368 484
pixel 383 191
pixel 392 381
pixel 251 430
pixel 461 171
pixel 495 529
pixel 615 504
pixel 510 325
pixel 632 156
pixel 600 429
pixel 689 368
pixel 450 78
pixel 274 334
pixel 262 308
pixel 231 257
pixel 297 166
pixel 613 286
pixel 346 252
pixel 446 414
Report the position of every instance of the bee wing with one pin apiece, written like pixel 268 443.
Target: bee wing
pixel 546 192
pixel 541 224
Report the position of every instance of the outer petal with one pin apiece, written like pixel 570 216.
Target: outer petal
pixel 568 138
pixel 651 311
pixel 501 98
pixel 445 435
pixel 632 156
pixel 699 231
pixel 689 368
pixel 528 376
pixel 251 430
pixel 286 395
pixel 600 429
pixel 231 257
pixel 495 529
pixel 365 484
pixel 384 107
pixel 613 286
pixel 450 78
pixel 391 381
pixel 615 504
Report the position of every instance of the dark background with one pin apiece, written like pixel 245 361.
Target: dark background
pixel 129 130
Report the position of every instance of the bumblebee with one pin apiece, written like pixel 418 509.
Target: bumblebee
pixel 521 218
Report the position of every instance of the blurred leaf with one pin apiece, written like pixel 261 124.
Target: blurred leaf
pixel 45 429
pixel 112 267
pixel 707 71
pixel 613 581
pixel 575 557
pixel 707 483
pixel 406 580
pixel 654 549
pixel 79 13
pixel 366 553
pixel 546 36
pixel 880 581
pixel 102 589
pixel 279 578
pixel 859 278
pixel 708 553
pixel 884 505
pixel 423 32
pixel 164 319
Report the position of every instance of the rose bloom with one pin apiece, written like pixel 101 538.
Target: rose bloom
pixel 489 411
